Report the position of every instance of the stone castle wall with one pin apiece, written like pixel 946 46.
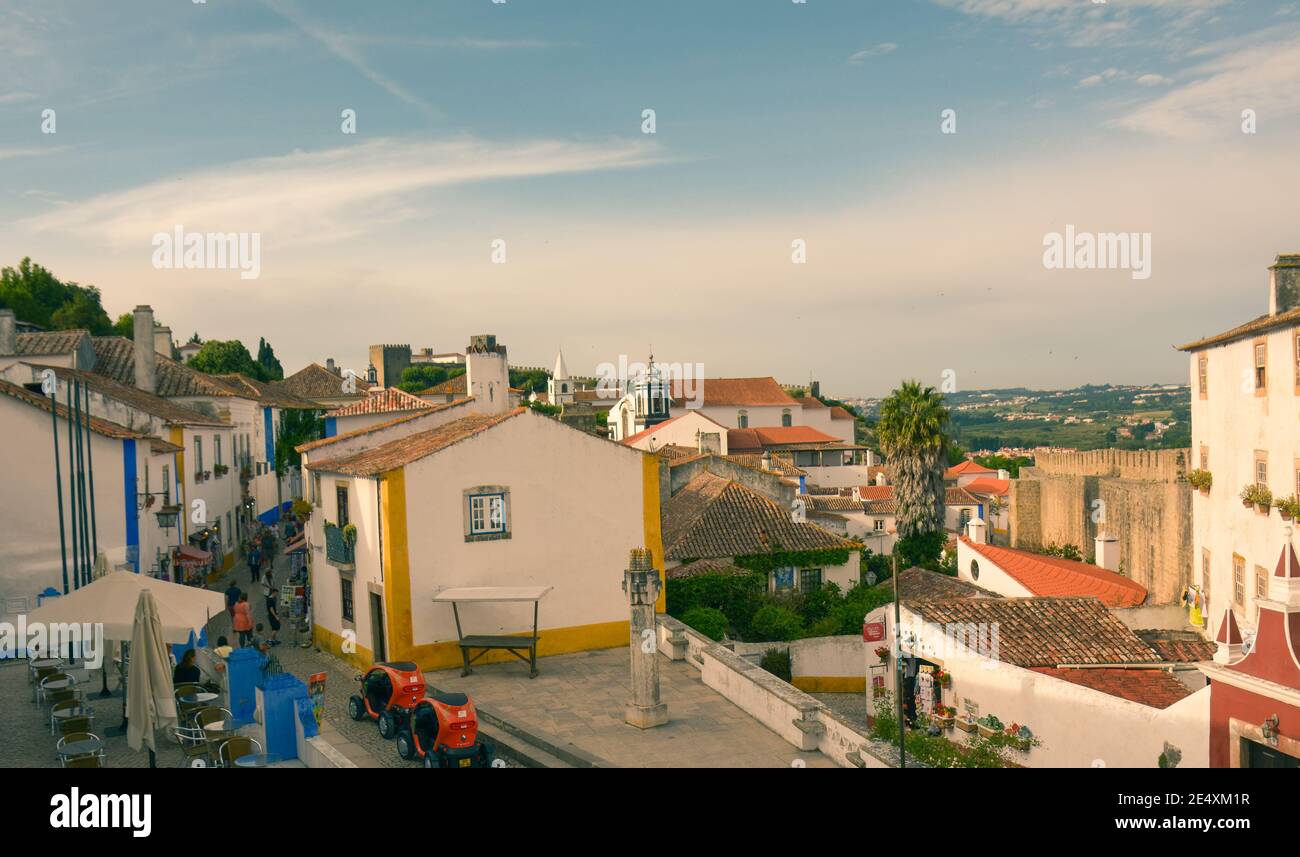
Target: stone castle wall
pixel 1139 497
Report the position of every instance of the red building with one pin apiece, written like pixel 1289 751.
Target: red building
pixel 1255 699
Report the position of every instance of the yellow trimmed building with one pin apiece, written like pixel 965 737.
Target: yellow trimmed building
pixel 466 498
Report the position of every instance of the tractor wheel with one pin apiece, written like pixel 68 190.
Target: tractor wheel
pixel 405 745
pixel 387 724
pixel 356 708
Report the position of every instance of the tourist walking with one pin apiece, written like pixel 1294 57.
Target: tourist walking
pixel 244 619
pixel 254 562
pixel 272 615
pixel 232 597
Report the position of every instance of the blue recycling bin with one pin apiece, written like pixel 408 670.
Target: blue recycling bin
pixel 244 666
pixel 280 695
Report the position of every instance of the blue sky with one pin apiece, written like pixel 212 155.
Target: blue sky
pixel 776 121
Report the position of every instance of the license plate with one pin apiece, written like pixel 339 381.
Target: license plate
pixel 464 763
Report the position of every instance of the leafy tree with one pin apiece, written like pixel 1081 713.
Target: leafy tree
pixel 124 326
pixel 709 621
pixel 529 380
pixel 194 339
pixel 773 622
pixel 544 408
pixel 912 431
pixel 423 376
pixel 267 360
pixel 921 549
pixel 296 428
pixel 38 297
pixel 222 357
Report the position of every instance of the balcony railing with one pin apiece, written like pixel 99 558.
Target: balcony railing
pixel 337 550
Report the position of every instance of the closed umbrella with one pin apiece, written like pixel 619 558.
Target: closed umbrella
pixel 151 701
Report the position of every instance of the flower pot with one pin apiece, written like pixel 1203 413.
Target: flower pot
pixel 966 725
pixel 1247 503
pixel 1286 516
pixel 1262 508
pixel 1205 491
pixel 946 722
pixel 986 732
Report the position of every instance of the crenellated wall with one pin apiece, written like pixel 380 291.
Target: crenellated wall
pixel 1139 497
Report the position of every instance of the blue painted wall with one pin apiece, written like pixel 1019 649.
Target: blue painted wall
pixel 331 427
pixel 131 513
pixel 270 436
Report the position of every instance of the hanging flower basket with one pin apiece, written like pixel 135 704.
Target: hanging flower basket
pixel 882 652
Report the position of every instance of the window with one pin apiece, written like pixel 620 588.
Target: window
pixel 345 599
pixel 1261 468
pixel 742 419
pixel 1202 375
pixel 878 525
pixel 965 518
pixel 1238 580
pixel 810 579
pixel 315 489
pixel 198 455
pixel 1261 366
pixel 487 513
pixel 1205 458
pixel 216 450
pixel 230 530
pixel 786 419
pixel 341 501
pixel 783 579
pixel 167 485
pixel 974 570
pixel 1261 582
pixel 1205 578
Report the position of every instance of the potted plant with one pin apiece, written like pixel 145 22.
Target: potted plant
pixel 1201 480
pixel 1288 507
pixel 943 678
pixel 220 469
pixel 1021 738
pixel 350 534
pixel 1258 496
pixel 882 652
pixel 965 723
pixel 945 715
pixel 989 725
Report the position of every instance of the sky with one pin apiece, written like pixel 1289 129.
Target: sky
pixel 520 126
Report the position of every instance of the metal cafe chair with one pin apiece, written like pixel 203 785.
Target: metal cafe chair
pixel 44 686
pixel 84 762
pixel 70 703
pixel 75 725
pixel 234 748
pixel 73 738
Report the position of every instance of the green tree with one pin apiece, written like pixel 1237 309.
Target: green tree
pixel 913 436
pixel 222 357
pixel 38 297
pixel 124 326
pixel 296 428
pixel 267 360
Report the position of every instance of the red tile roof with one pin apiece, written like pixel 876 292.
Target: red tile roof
pixel 750 439
pixel 103 427
pixel 404 450
pixel 959 497
pixel 647 432
pixel 985 485
pixel 706 566
pixel 1154 688
pixel 838 413
pixel 876 492
pixel 733 391
pixel 967 467
pixel 381 401
pixel 1049 575
pixel 347 435
pixel 1180 647
pixel 451 387
pixel 314 381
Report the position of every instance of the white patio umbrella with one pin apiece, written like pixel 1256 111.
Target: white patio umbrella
pixel 151 703
pixel 111 601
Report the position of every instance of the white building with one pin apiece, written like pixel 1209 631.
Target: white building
pixel 454 497
pixel 1245 391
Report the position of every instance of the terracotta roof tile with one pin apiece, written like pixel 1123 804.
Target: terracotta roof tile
pixel 115 359
pixel 876 492
pixel 959 497
pixel 381 401
pixel 649 431
pixel 48 342
pixel 404 450
pixel 1049 575
pixel 1154 688
pixel 706 566
pixel 987 486
pixel 348 435
pixel 164 409
pixel 838 413
pixel 780 464
pixel 713 517
pixel 966 468
pixel 314 381
pixel 451 387
pixel 1046 632
pixel 103 427
pixel 756 439
pixel 265 392
pixel 754 392
pixel 919 584
pixel 1178 646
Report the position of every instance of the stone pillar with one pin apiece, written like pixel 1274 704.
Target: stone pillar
pixel 641 583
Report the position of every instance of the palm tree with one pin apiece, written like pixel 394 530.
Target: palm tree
pixel 913 435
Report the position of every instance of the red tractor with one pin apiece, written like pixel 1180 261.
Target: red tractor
pixel 389 692
pixel 443 733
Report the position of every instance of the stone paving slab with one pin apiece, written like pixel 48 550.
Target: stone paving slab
pixel 580 698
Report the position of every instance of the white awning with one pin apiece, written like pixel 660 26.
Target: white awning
pixel 493 593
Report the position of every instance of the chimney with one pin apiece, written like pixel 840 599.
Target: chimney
pixel 146 359
pixel 708 443
pixel 880 478
pixel 162 341
pixel 1004 475
pixel 767 459
pixel 857 494
pixel 815 389
pixel 329 364
pixel 1284 284
pixel 8 333
pixel 1107 551
pixel 977 532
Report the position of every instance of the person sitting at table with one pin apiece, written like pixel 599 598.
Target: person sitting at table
pixel 186 672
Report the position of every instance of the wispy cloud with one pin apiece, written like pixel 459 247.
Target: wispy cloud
pixel 314 197
pixel 1264 77
pixel 879 50
pixel 29 152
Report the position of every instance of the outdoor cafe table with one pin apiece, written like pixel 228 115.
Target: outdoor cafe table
pixel 76 711
pixel 486 642
pixel 257 760
pixel 87 747
pixel 44 663
pixel 197 698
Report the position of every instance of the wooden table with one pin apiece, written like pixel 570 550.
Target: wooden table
pixel 514 644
